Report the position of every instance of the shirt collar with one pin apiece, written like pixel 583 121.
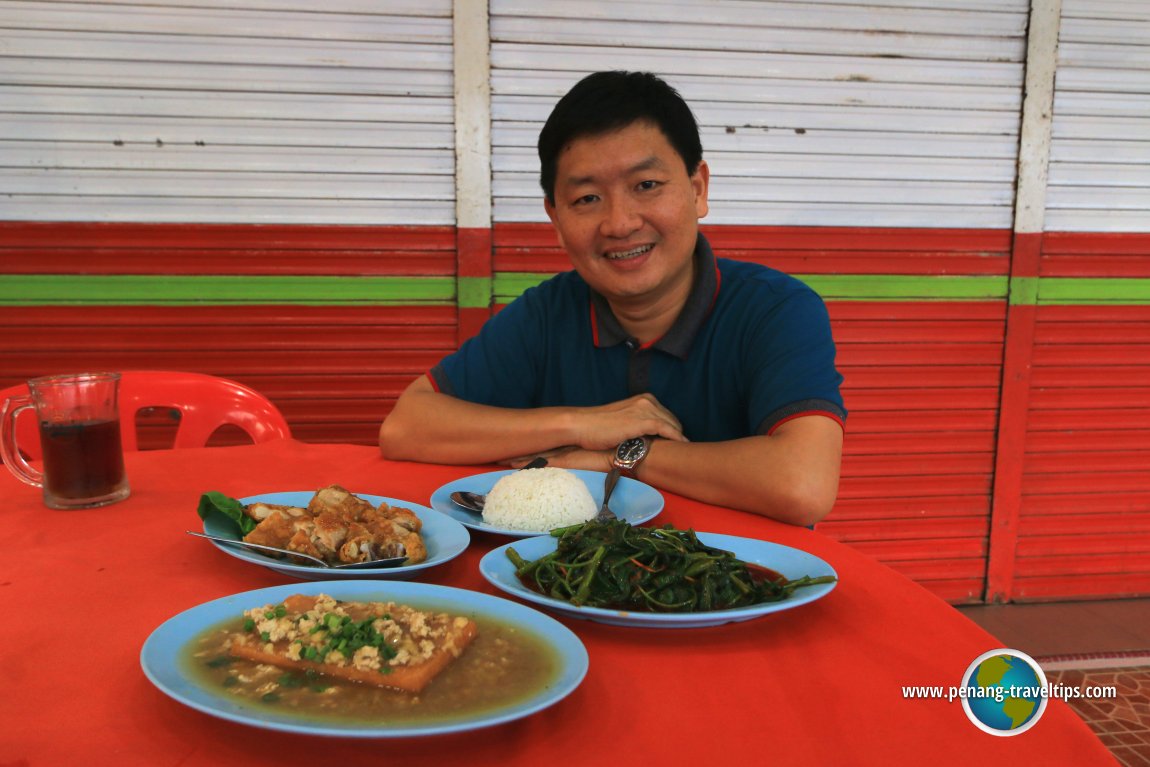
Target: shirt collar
pixel 606 330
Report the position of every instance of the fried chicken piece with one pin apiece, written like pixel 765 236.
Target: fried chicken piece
pixel 390 534
pixel 397 514
pixel 260 511
pixel 329 532
pixel 337 499
pixel 338 526
pixel 277 528
pixel 304 543
pixel 359 546
pixel 283 531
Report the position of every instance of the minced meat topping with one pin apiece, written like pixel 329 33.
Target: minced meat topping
pixel 366 635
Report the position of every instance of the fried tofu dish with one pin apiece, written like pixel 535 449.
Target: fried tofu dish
pixel 339 528
pixel 377 643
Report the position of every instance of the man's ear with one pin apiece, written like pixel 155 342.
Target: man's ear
pixel 701 183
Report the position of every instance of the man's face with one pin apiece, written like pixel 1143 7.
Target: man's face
pixel 628 213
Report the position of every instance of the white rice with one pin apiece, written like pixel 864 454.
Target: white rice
pixel 539 500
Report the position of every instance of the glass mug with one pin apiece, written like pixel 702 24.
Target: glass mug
pixel 80 438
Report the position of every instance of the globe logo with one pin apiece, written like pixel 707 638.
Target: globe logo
pixel 1005 692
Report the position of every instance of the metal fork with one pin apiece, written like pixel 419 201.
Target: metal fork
pixel 605 514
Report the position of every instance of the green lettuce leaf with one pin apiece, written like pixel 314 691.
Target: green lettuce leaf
pixel 212 502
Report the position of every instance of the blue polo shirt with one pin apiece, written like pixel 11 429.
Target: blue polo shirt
pixel 750 349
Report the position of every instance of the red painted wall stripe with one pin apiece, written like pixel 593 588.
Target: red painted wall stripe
pixel 132 248
pixel 529 247
pixel 474 261
pixel 1096 254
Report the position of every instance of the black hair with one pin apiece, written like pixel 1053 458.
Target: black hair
pixel 607 101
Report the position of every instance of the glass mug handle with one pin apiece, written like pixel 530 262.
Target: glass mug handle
pixel 11 455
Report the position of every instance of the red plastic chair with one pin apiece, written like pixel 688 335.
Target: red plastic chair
pixel 205 403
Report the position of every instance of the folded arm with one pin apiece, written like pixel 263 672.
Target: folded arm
pixel 792 475
pixel 427 425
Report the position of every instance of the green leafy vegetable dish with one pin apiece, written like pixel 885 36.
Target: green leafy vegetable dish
pixel 615 566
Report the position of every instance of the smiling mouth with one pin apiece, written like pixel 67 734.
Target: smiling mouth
pixel 622 255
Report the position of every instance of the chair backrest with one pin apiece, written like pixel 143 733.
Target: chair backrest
pixel 205 404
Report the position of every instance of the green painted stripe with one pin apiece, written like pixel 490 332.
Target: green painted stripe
pixel 848 287
pixel 1023 291
pixel 478 292
pixel 1133 291
pixel 1094 290
pixel 474 292
pixel 508 285
pixel 25 290
pixel 897 287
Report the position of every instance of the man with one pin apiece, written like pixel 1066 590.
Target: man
pixel 722 370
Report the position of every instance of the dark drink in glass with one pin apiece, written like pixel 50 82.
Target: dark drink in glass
pixel 82 460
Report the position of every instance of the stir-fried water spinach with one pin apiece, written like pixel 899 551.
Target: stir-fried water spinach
pixel 616 566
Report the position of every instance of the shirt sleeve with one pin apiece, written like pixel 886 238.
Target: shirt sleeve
pixel 791 362
pixel 499 366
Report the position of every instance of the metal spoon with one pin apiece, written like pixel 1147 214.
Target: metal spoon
pixel 388 562
pixel 474 502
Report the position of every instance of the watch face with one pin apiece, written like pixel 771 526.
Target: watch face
pixel 631 450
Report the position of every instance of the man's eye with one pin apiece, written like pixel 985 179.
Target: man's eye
pixel 648 184
pixel 586 199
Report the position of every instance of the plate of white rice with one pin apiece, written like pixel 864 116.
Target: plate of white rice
pixel 534 501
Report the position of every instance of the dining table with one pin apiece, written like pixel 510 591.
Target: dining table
pixel 824 683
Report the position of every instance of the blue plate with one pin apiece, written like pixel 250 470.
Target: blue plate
pixel 445 539
pixel 163 650
pixel 792 563
pixel 632 500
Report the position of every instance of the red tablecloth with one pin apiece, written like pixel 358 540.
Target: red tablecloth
pixel 818 685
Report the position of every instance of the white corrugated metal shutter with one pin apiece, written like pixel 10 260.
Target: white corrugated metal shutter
pixel 1100 154
pixel 205 111
pixel 894 113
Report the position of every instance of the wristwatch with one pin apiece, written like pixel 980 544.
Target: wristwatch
pixel 629 454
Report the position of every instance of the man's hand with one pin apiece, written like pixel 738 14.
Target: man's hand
pixel 599 431
pixel 568 458
pixel 605 426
